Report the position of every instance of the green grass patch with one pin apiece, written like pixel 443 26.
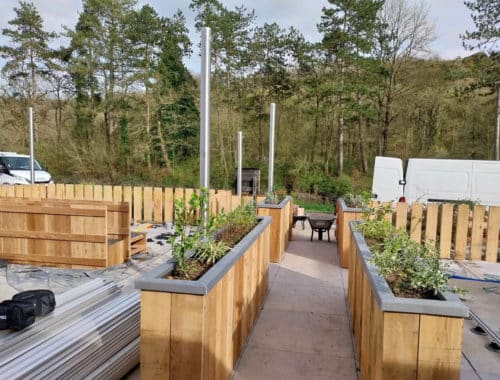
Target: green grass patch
pixel 314 206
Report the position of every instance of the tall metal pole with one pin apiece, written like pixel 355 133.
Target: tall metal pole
pixel 205 115
pixel 32 145
pixel 497 130
pixel 271 148
pixel 240 163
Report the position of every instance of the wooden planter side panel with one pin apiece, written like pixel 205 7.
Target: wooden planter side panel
pixel 439 358
pixel 279 230
pixel 344 233
pixel 187 336
pixel 399 345
pixel 155 334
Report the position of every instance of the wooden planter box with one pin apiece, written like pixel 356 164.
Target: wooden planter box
pixel 197 329
pixel 401 338
pixel 280 226
pixel 344 216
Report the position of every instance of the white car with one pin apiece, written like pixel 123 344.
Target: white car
pixel 18 168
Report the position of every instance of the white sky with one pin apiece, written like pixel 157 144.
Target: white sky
pixel 450 16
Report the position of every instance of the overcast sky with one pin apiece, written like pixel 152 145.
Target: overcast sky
pixel 451 18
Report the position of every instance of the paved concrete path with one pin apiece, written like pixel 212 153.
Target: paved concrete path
pixel 303 331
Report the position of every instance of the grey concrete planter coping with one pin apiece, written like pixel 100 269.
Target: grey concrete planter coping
pixel 155 281
pixel 449 305
pixel 279 205
pixel 345 208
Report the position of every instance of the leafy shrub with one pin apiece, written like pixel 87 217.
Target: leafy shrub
pixel 360 200
pixel 237 224
pixel 330 187
pixel 411 269
pixel 210 241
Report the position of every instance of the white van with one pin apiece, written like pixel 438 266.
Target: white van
pixel 436 180
pixel 18 167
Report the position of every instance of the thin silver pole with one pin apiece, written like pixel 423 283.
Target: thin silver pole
pixel 32 145
pixel 271 147
pixel 205 114
pixel 240 162
pixel 497 130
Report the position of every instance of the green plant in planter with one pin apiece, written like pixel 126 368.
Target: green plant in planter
pixel 236 224
pixel 271 198
pixel 411 269
pixel 210 251
pixel 188 229
pixel 361 200
pixel 209 240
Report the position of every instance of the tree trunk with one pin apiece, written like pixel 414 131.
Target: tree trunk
pixel 362 146
pixel 341 144
pixel 168 164
pixel 385 126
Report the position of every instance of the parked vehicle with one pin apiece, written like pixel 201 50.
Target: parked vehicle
pixel 6 179
pixel 18 167
pixel 436 180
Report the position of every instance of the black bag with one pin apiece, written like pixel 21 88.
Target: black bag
pixel 42 299
pixel 16 315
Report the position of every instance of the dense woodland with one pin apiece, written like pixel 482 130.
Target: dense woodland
pixel 118 105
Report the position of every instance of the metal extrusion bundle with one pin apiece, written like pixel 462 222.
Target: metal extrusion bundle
pixel 94 330
pixel 119 365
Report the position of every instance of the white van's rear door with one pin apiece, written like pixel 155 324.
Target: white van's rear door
pixel 437 180
pixel 486 182
pixel 387 173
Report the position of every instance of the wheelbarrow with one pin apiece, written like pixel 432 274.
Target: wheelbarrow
pixel 320 224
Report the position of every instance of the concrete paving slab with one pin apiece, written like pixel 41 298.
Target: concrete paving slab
pixel 273 271
pixel 265 364
pixel 310 269
pixel 302 331
pixel 313 296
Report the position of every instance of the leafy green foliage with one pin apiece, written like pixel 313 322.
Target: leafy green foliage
pixel 188 228
pixel 210 251
pixel 236 224
pixel 409 267
pixel 28 59
pixel 360 200
pixel 485 15
pixel 210 239
pixel 329 187
pixel 393 100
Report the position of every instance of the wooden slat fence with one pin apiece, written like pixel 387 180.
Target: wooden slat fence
pixel 147 204
pixel 457 230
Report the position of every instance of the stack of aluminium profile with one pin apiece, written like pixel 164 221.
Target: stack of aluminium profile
pixel 92 333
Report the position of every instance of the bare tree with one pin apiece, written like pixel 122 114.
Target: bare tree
pixel 405 33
